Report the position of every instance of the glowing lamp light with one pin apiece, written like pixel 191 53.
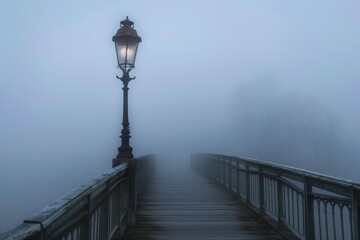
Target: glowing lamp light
pixel 126 43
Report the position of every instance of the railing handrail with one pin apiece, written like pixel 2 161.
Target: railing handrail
pixel 306 203
pixel 101 208
pixel 51 212
pixel 299 171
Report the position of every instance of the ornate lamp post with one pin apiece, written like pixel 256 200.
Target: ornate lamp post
pixel 126 43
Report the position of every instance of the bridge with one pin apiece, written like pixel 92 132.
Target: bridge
pixel 205 196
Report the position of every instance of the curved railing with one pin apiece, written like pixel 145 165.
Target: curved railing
pixel 298 203
pixel 100 209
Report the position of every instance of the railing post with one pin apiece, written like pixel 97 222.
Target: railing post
pixel 247 168
pixel 84 231
pixel 89 221
pixel 224 172
pixel 132 191
pixel 356 212
pixel 237 178
pixel 219 169
pixel 230 175
pixel 104 215
pixel 308 210
pixel 216 169
pixel 261 191
pixel 280 202
pixel 209 165
pixel 212 175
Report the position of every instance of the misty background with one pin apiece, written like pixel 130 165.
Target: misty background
pixel 272 80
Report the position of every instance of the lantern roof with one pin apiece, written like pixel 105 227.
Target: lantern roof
pixel 126 30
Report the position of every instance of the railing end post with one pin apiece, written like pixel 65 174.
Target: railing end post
pixel 132 190
pixel 356 213
pixel 309 209
pixel 280 203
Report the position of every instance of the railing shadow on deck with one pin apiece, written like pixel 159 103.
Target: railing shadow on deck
pixel 100 209
pixel 299 203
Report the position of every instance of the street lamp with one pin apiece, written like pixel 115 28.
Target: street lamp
pixel 126 42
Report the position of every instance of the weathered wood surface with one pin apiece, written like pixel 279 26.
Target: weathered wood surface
pixel 181 204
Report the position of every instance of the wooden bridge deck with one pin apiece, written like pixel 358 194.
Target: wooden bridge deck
pixel 181 204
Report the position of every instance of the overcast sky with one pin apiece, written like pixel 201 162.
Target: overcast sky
pixel 274 80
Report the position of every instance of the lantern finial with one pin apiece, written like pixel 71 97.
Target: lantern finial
pixel 127 23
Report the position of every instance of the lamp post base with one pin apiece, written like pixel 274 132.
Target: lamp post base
pixel 124 155
pixel 125 152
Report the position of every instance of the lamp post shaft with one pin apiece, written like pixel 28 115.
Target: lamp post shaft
pixel 125 151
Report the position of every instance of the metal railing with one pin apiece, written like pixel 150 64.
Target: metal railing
pixel 299 203
pixel 100 209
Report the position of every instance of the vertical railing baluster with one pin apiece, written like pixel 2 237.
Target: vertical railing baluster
pixel 303 215
pixel 297 212
pixel 250 187
pixel 280 203
pixel 224 172
pixel 287 214
pixel 261 191
pixel 266 194
pixel 273 196
pixel 342 222
pixel 270 192
pixel 213 164
pixel 333 219
pixel 293 207
pixel 213 168
pixel 351 219
pixel 256 189
pixel 308 209
pixel 216 169
pixel 251 179
pixel 318 202
pixel 277 197
pixel 237 178
pixel 219 169
pixel 247 183
pixel 268 200
pixel 326 221
pixel 230 174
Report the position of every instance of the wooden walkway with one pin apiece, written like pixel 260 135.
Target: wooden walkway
pixel 181 204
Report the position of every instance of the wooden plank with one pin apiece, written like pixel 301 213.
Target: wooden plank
pixel 178 203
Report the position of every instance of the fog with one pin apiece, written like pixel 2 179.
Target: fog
pixel 276 81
